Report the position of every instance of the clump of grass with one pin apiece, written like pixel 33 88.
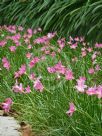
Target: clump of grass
pixel 45 107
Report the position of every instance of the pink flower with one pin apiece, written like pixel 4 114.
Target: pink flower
pixel 43 57
pixel 84 53
pixel 91 71
pixel 27 89
pixel 61 43
pixel 89 49
pixel 94 55
pixel 32 76
pixel 74 46
pixel 16 37
pixel 53 54
pixel 26 41
pixel 2 43
pixel 77 39
pixel 30 32
pixel 29 46
pixel 69 75
pixel 99 91
pixel 71 109
pixel 22 69
pixel 33 62
pixel 51 35
pixel 18 88
pixel 97 68
pixel 59 68
pixel 47 51
pixel 91 91
pixel 20 28
pixel 81 84
pixel 59 50
pixel 81 39
pixel 6 105
pixel 51 69
pixel 12 48
pixel 16 74
pixel 38 85
pixel 41 40
pixel 83 49
pixel 6 63
pixel 98 45
pixel 28 55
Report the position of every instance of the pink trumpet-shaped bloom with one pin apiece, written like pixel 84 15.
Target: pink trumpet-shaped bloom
pixel 28 55
pixel 51 69
pixel 89 49
pixel 30 31
pixel 6 63
pixel 59 68
pixel 97 68
pixel 2 43
pixel 32 76
pixel 27 89
pixel 51 35
pixel 71 109
pixel 6 105
pixel 33 62
pixel 98 45
pixel 61 43
pixel 91 71
pixel 91 91
pixel 18 88
pixel 84 53
pixel 99 91
pixel 22 70
pixel 69 75
pixel 38 85
pixel 12 48
pixel 81 84
pixel 74 46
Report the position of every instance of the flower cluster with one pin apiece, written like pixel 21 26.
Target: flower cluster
pixel 60 69
pixel 35 53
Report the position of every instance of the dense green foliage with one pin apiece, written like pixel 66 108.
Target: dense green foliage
pixel 84 17
pixel 46 111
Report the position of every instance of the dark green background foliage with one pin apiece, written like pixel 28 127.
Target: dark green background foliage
pixel 74 17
